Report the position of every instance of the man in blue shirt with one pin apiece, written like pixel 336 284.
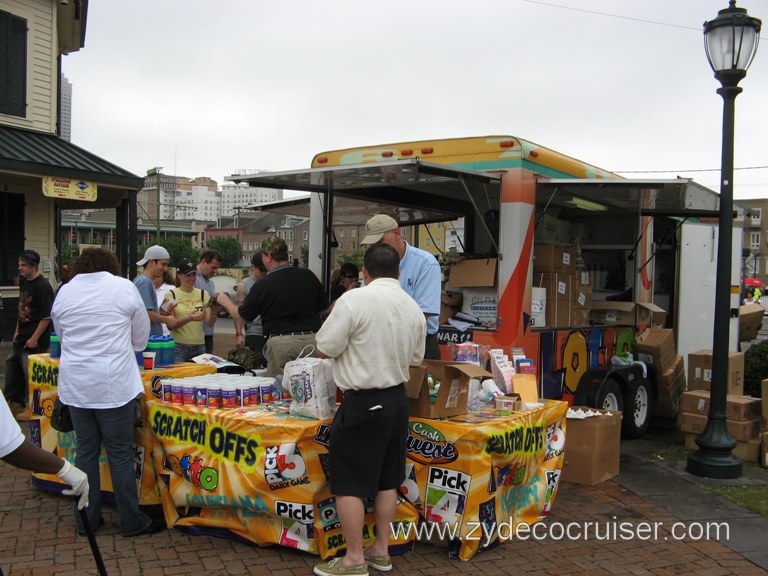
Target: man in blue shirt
pixel 419 274
pixel 155 262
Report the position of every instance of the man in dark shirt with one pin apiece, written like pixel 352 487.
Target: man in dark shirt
pixel 33 331
pixel 289 300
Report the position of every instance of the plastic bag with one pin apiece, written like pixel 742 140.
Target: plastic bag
pixel 310 383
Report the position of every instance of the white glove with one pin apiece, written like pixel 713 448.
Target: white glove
pixel 79 482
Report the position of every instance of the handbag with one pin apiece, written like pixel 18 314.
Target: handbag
pixel 61 419
pixel 310 383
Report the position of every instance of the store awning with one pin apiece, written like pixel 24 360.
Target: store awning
pixel 37 154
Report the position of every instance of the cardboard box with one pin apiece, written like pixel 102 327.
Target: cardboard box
pixel 447 312
pixel 744 431
pixel 670 387
pixel 584 278
pixel 559 286
pixel 547 258
pixel 453 393
pixel 483 304
pixel 551 230
pixel 748 451
pixel 538 307
pixel 472 273
pixel 750 321
pixel 452 299
pixel 609 312
pixel 650 315
pixel 559 314
pixel 509 402
pixel 700 371
pixel 737 408
pixel 656 347
pixel 764 449
pixel 592 448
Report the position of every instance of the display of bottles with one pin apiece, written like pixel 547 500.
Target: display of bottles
pixel 55 349
pixel 167 347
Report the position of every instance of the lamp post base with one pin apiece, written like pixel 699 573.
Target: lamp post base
pixel 714 459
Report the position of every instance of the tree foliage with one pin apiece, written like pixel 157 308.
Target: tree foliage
pixel 229 246
pixel 755 368
pixel 178 248
pixel 355 258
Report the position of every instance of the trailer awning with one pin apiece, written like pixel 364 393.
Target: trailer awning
pixel 679 197
pixel 412 191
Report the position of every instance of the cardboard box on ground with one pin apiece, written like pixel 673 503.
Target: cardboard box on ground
pixel 592 448
pixel 477 281
pixel 748 451
pixel 764 449
pixel 700 371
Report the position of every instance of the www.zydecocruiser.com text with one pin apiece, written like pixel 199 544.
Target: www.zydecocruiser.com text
pixel 612 530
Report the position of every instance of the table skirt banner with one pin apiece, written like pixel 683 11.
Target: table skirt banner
pixel 257 475
pixel 43 391
pixel 480 478
pixel 262 476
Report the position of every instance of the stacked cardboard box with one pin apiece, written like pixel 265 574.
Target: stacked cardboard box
pixel 700 371
pixel 477 281
pixel 742 419
pixel 567 292
pixel 656 347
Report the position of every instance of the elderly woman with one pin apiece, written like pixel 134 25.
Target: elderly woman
pixel 191 307
pixel 102 322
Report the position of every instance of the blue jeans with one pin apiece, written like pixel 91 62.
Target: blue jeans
pixel 113 427
pixel 16 375
pixel 185 352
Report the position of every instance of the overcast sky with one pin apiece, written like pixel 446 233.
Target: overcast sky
pixel 210 88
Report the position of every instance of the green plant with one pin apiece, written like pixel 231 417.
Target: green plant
pixel 178 248
pixel 229 247
pixel 755 368
pixel 355 258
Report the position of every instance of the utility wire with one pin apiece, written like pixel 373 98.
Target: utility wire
pixel 691 170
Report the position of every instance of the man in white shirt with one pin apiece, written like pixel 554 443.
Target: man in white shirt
pixel 374 335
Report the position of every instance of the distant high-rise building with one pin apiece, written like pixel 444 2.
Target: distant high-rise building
pixel 236 197
pixel 65 113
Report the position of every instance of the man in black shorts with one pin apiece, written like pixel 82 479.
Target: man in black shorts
pixel 374 334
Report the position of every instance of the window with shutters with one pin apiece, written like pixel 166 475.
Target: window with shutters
pixel 11 236
pixel 13 65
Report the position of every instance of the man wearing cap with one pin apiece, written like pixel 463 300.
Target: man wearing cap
pixel 209 264
pixel 155 263
pixel 419 274
pixel 33 330
pixel 289 301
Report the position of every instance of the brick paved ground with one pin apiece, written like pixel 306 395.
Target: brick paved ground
pixel 37 537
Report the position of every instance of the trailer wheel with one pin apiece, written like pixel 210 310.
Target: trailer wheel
pixel 637 404
pixel 609 396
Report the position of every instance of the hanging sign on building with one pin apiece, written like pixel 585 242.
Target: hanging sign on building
pixel 72 189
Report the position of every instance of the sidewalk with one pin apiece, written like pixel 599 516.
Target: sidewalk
pixel 37 534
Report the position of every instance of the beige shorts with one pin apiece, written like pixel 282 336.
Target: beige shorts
pixel 286 347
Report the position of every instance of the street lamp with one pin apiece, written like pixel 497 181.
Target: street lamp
pixel 156 172
pixel 731 43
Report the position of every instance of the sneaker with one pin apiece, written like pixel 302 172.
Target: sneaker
pixel 155 525
pixel 336 568
pixel 380 563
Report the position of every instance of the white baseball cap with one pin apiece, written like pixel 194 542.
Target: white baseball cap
pixel 377 226
pixel 154 253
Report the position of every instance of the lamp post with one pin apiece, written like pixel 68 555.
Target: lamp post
pixel 156 172
pixel 731 43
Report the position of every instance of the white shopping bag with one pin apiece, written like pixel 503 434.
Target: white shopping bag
pixel 310 383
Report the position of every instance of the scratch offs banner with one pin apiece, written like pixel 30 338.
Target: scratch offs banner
pixel 473 472
pixel 261 476
pixel 43 391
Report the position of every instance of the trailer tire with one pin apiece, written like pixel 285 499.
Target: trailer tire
pixel 638 400
pixel 609 396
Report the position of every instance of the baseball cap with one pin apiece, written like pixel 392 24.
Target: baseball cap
pixel 30 257
pixel 154 253
pixel 377 226
pixel 185 267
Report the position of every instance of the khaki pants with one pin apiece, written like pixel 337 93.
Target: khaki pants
pixel 283 348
